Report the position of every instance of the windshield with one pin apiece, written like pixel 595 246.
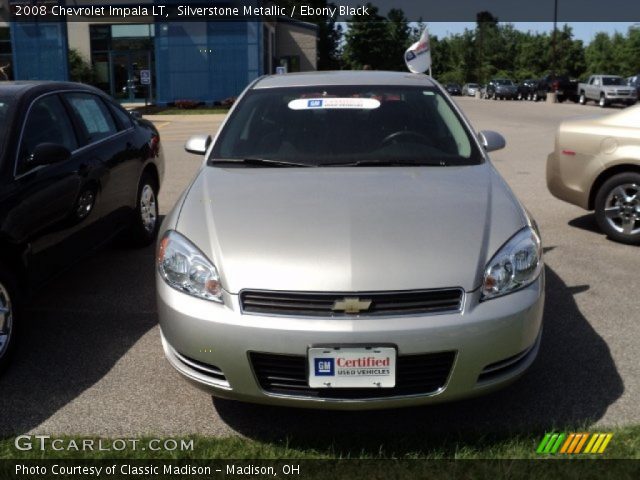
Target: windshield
pixel 613 81
pixel 503 82
pixel 317 126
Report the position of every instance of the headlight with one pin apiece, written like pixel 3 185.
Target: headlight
pixel 187 269
pixel 516 265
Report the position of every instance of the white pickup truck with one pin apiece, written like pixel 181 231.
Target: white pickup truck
pixel 607 89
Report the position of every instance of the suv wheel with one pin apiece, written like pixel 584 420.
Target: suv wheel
pixel 583 99
pixel 618 208
pixel 146 220
pixel 9 308
pixel 603 101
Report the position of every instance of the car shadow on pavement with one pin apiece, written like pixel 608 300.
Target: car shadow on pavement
pixel 570 385
pixel 586 222
pixel 75 330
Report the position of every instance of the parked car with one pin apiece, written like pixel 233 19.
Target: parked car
pixel 348 244
pixel 453 89
pixel 75 170
pixel 561 85
pixel 501 88
pixel 634 82
pixel 470 89
pixel 596 166
pixel 606 90
pixel 526 88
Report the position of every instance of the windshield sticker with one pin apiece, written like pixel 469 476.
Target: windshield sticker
pixel 334 103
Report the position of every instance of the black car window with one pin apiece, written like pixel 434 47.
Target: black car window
pixel 122 117
pixel 6 106
pixel 94 116
pixel 47 122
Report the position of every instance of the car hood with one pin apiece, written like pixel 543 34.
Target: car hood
pixel 350 229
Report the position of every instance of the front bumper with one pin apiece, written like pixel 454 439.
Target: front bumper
pixel 210 344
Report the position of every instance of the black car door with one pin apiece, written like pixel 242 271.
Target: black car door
pixel 41 209
pixel 61 204
pixel 110 147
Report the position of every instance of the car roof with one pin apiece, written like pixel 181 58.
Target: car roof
pixel 344 77
pixel 22 87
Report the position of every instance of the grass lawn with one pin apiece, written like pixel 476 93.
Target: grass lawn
pixel 625 444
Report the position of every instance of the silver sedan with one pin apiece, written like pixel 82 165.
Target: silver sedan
pixel 348 244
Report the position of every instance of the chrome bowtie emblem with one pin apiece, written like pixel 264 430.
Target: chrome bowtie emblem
pixel 351 305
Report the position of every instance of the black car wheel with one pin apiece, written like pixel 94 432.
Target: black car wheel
pixel 146 221
pixel 9 308
pixel 618 208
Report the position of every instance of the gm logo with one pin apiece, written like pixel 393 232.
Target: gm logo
pixel 314 103
pixel 324 367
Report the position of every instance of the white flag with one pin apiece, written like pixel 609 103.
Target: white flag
pixel 418 56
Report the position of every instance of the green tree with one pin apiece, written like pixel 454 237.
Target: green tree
pixel 79 69
pixel 599 55
pixel 399 36
pixel 631 53
pixel 366 41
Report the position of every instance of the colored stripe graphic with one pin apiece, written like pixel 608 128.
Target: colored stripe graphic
pixel 607 439
pixel 567 443
pixel 574 443
pixel 581 443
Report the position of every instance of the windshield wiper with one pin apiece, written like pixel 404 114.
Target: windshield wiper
pixel 265 162
pixel 384 163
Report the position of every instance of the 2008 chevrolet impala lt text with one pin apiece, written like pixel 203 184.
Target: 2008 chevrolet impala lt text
pixel 348 244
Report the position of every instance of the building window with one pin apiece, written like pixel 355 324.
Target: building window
pixel 291 62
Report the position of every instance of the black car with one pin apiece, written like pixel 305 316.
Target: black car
pixel 526 89
pixel 75 170
pixel 453 89
pixel 561 85
pixel 634 81
pixel 501 88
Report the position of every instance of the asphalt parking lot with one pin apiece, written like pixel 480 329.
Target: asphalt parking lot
pixel 91 362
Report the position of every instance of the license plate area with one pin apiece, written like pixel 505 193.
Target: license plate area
pixel 352 367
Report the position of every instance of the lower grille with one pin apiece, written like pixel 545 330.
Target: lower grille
pixel 341 304
pixel 415 375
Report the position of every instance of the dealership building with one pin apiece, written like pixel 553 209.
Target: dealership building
pixel 142 59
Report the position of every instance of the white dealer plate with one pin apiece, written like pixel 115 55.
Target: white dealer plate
pixel 352 367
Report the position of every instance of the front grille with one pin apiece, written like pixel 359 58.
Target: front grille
pixel 322 304
pixel 415 375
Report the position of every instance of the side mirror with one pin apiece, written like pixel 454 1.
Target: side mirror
pixel 491 141
pixel 135 114
pixel 198 144
pixel 49 153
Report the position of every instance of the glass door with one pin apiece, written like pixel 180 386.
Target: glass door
pixel 126 77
